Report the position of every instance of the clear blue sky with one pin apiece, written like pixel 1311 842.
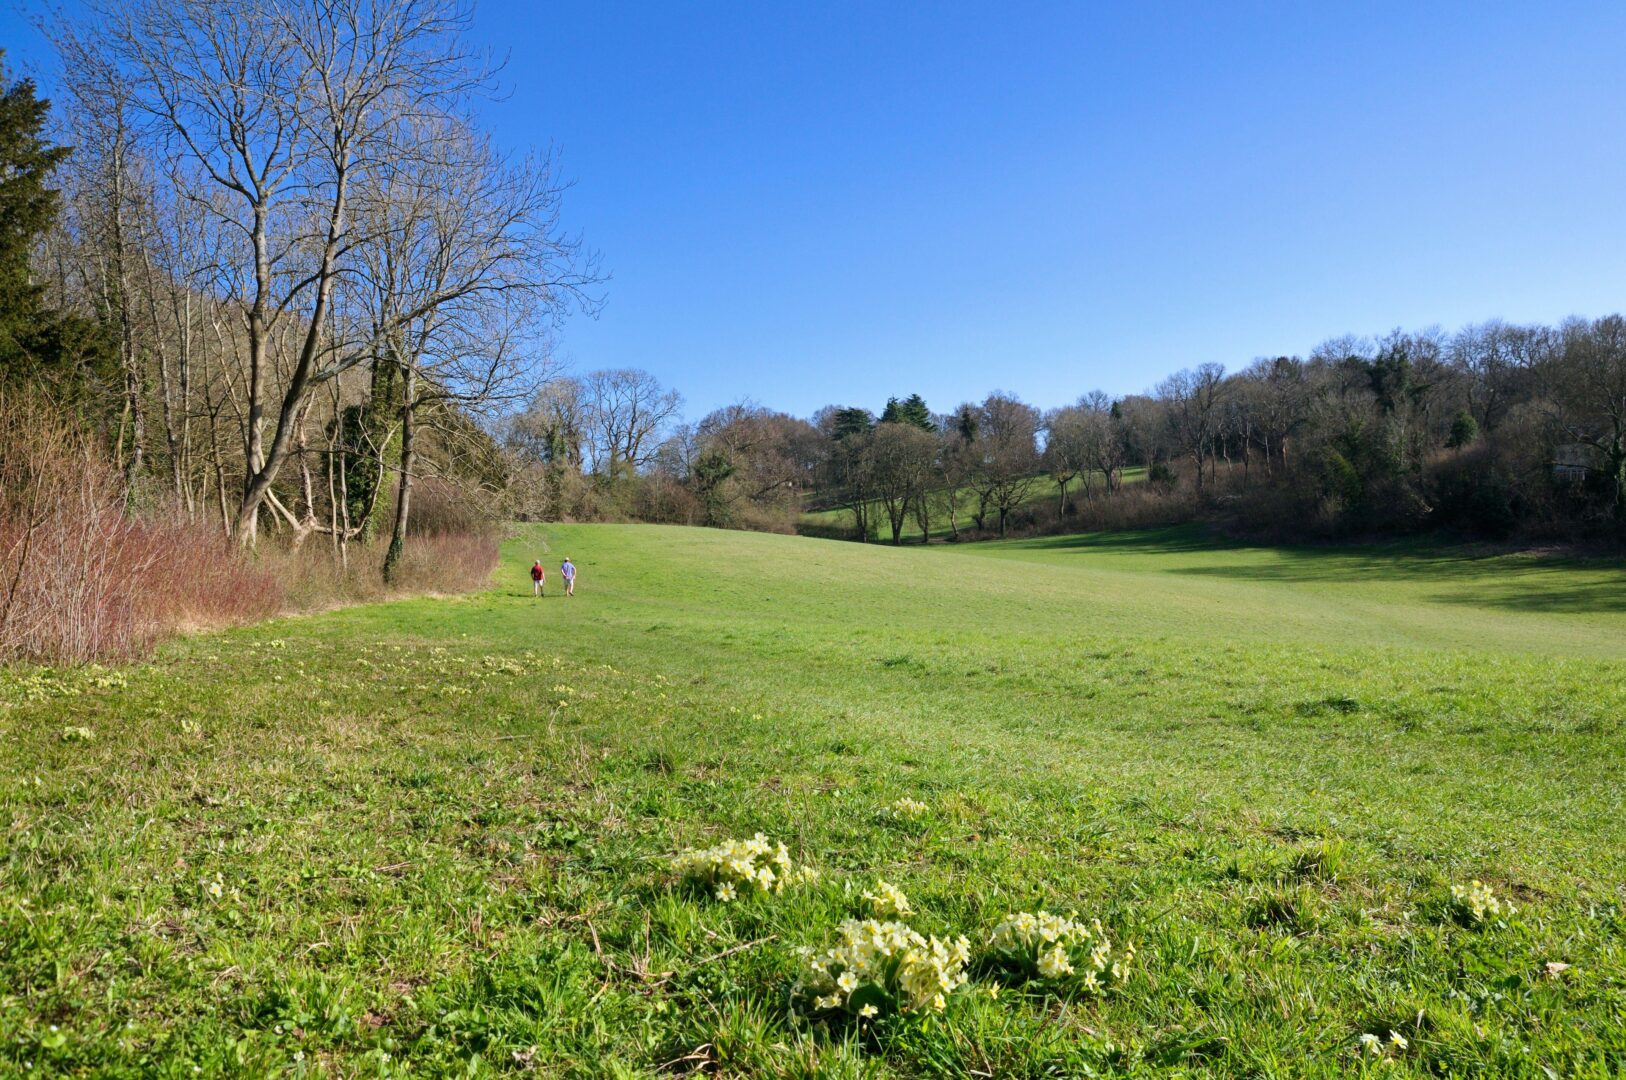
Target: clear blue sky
pixel 836 202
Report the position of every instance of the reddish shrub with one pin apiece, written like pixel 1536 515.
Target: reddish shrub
pixel 81 577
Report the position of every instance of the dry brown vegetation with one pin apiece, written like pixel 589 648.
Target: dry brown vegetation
pixel 88 573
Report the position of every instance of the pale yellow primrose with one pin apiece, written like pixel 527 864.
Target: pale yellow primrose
pixel 738 866
pixel 919 972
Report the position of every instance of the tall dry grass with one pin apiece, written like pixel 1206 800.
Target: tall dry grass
pixel 313 577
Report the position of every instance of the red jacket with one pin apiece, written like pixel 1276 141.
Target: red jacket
pixel 537 573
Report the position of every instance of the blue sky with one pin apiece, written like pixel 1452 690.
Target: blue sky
pixel 838 202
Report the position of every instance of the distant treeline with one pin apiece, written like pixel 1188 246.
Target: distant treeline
pixel 1494 431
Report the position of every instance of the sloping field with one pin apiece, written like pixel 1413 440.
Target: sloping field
pixel 431 837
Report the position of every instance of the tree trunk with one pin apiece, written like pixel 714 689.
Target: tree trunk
pixel 126 317
pixel 1617 463
pixel 403 502
pixel 374 431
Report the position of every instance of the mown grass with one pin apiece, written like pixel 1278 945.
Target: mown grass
pixel 439 827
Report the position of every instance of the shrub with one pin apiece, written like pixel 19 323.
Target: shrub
pixel 84 576
pixel 81 576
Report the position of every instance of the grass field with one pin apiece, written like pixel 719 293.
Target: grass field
pixel 1043 497
pixel 432 837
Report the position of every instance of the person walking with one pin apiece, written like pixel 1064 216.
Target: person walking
pixel 567 569
pixel 539 579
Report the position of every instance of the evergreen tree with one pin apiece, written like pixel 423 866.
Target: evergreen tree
pixel 911 410
pixel 35 342
pixel 1464 429
pixel 851 421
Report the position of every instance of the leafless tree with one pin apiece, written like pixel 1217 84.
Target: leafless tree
pixel 1278 393
pixel 464 271
pixel 1006 455
pixel 956 442
pixel 1104 439
pixel 901 461
pixel 626 409
pixel 109 198
pixel 1587 388
pixel 1192 398
pixel 277 116
pixel 1067 448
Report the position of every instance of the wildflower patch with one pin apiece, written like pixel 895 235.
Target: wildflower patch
pixel 1476 906
pixel 1037 945
pixel 907 809
pixel 738 867
pixel 878 969
pixel 887 900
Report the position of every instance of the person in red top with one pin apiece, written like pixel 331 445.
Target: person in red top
pixel 539 579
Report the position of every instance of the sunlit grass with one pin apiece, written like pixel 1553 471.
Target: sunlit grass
pixel 436 836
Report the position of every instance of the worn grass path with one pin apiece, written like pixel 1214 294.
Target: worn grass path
pixel 437 828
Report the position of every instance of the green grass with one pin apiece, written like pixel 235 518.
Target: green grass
pixel 440 826
pixel 1044 495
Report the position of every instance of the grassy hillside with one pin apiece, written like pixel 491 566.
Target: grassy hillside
pixel 431 836
pixel 1044 495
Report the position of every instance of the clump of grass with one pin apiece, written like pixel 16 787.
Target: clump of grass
pixel 1295 909
pixel 1324 859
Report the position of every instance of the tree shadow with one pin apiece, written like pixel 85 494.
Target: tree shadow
pixel 1472 578
pixel 1181 538
pixel 1474 575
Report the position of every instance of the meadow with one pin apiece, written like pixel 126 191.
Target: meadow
pixel 837 522
pixel 435 836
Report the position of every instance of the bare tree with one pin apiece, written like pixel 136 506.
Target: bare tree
pixel 1587 386
pixel 1067 448
pixel 956 440
pixel 901 457
pixel 626 409
pixel 464 270
pixel 745 459
pixel 1104 440
pixel 1279 395
pixel 286 111
pixel 1006 455
pixel 108 200
pixel 1192 398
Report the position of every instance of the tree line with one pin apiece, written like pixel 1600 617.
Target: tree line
pixel 1493 430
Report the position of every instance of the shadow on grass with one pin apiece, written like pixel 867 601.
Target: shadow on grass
pixel 1179 538
pixel 1472 579
pixel 1475 575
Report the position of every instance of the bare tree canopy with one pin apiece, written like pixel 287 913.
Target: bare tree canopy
pixel 356 216
pixel 626 408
